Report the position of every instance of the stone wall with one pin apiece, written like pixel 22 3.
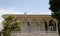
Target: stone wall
pixel 34 25
pixel 38 34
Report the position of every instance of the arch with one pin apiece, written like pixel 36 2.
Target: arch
pixel 25 26
pixel 34 26
pixel 52 25
pixel 34 22
pixel 43 25
pixel 25 21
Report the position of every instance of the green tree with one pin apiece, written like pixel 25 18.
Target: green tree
pixel 55 8
pixel 10 24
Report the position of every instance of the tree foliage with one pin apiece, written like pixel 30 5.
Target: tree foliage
pixel 10 24
pixel 55 8
pixel 54 5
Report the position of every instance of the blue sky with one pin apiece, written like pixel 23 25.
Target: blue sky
pixel 28 6
pixel 22 6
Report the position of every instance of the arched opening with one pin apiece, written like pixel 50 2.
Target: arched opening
pixel 25 26
pixel 34 26
pixel 52 25
pixel 43 26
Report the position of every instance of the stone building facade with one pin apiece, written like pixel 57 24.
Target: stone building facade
pixel 36 25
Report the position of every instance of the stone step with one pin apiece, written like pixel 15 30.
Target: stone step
pixel 46 34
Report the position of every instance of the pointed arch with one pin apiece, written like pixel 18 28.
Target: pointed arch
pixel 43 25
pixel 25 26
pixel 34 26
pixel 52 25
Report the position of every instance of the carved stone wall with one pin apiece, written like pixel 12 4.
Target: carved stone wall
pixel 36 23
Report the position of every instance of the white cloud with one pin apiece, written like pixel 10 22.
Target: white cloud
pixel 12 11
pixel 41 13
pixel 7 11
